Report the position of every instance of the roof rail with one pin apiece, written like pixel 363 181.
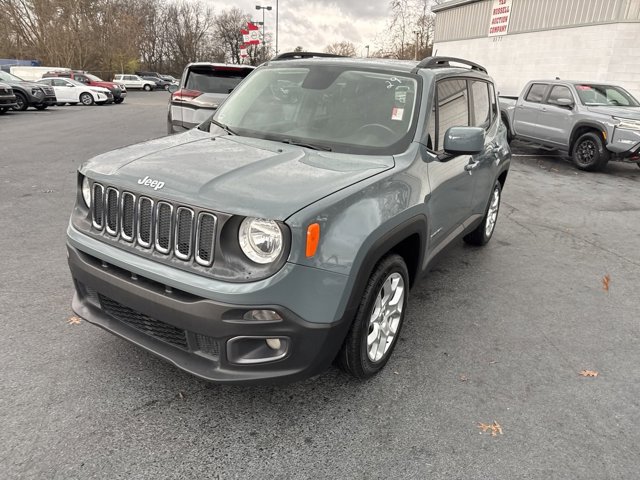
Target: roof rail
pixel 298 55
pixel 443 62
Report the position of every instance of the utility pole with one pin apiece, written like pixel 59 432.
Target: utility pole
pixel 415 56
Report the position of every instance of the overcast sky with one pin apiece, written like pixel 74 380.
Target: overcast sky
pixel 314 24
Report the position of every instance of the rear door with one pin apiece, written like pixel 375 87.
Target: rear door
pixel 64 93
pixel 204 88
pixel 526 119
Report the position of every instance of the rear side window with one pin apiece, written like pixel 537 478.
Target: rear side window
pixel 208 80
pixel 536 93
pixel 481 105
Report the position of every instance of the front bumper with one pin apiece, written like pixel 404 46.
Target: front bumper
pixel 8 102
pixel 625 144
pixel 198 334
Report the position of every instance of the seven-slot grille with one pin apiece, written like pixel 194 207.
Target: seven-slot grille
pixel 154 225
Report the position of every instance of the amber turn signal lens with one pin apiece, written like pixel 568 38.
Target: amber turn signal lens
pixel 313 237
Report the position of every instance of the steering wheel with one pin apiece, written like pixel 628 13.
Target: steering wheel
pixel 375 126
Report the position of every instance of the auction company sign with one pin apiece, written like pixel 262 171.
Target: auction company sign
pixel 499 23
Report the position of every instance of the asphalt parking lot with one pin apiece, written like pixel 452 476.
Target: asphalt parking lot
pixel 498 334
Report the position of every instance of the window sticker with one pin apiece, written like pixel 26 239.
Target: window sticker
pixel 397 114
pixel 391 81
pixel 586 88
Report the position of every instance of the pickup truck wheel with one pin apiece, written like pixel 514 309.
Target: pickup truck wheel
pixel 21 101
pixel 483 232
pixel 589 152
pixel 86 99
pixel 377 324
pixel 147 87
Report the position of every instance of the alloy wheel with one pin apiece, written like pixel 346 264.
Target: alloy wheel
pixel 492 213
pixel 385 317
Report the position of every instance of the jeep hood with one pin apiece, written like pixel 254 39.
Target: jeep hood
pixel 107 85
pixel 632 113
pixel 236 175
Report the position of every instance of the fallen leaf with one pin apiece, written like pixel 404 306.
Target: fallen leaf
pixel 74 320
pixel 181 395
pixel 463 378
pixel 588 373
pixel 396 373
pixel 494 427
pixel 605 282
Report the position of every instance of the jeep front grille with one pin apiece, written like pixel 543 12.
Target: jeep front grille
pixel 157 226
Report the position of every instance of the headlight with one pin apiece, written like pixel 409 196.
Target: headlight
pixel 36 91
pixel 86 191
pixel 260 239
pixel 627 123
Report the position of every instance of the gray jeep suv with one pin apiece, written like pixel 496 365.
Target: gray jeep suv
pixel 286 231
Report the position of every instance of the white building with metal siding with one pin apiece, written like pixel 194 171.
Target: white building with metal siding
pixel 595 40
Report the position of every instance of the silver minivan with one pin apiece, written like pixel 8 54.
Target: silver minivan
pixel 203 87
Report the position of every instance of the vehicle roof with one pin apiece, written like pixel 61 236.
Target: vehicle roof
pixel 212 64
pixel 401 66
pixel 574 82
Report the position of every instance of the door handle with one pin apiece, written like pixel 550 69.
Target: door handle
pixel 471 166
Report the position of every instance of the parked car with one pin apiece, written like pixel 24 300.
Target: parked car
pixel 7 98
pixel 29 94
pixel 73 92
pixel 134 81
pixel 286 231
pixel 119 92
pixel 160 83
pixel 203 87
pixel 31 73
pixel 590 121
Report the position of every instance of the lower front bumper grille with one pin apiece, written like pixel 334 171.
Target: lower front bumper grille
pixel 160 330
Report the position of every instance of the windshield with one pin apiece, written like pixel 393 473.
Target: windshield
pixel 9 78
pixel 605 95
pixel 93 78
pixel 330 107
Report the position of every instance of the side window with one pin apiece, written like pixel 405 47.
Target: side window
pixel 82 78
pixel 557 92
pixel 453 107
pixel 59 83
pixel 481 111
pixel 536 93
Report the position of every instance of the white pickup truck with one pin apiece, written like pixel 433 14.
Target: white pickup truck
pixel 591 122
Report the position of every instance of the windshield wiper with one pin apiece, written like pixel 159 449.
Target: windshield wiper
pixel 226 128
pixel 312 146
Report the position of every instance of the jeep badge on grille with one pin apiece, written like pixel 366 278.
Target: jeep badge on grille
pixel 147 182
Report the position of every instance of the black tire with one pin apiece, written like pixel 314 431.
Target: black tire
pixel 73 103
pixel 147 87
pixel 41 107
pixel 589 152
pixel 3 111
pixel 21 100
pixel 118 100
pixel 166 87
pixel 354 357
pixel 86 99
pixel 638 164
pixel 483 233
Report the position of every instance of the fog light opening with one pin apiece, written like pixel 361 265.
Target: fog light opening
pixel 274 343
pixel 262 316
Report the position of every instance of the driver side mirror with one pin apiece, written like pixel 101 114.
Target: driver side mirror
pixel 564 103
pixel 464 140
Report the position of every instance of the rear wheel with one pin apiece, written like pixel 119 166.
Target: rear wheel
pixel 147 87
pixel 21 101
pixel 483 232
pixel 118 100
pixel 86 99
pixel 376 327
pixel 589 152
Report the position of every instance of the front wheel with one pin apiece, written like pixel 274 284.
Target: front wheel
pixel 483 232
pixel 147 87
pixel 22 103
pixel 3 111
pixel 118 100
pixel 376 327
pixel 589 152
pixel 86 99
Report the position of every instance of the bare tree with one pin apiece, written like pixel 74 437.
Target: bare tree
pixel 343 48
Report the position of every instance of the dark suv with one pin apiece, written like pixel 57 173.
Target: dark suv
pixel 7 98
pixel 29 94
pixel 286 231
pixel 203 87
